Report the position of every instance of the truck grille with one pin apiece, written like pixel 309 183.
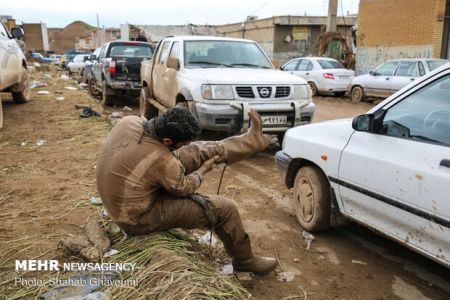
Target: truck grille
pixel 282 91
pixel 264 91
pixel 245 92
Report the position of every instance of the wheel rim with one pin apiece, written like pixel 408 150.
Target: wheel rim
pixel 357 94
pixel 305 200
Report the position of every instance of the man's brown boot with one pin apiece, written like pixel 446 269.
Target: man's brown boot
pixel 244 145
pixel 243 258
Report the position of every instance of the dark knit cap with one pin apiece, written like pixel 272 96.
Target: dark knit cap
pixel 178 124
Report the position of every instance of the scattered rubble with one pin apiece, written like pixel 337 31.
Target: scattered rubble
pixel 286 276
pixel 308 237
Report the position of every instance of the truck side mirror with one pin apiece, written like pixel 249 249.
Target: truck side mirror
pixel 93 57
pixel 363 123
pixel 173 63
pixel 17 32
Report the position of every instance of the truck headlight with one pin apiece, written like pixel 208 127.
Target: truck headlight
pixel 219 92
pixel 302 91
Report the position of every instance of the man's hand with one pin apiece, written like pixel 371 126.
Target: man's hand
pixel 208 165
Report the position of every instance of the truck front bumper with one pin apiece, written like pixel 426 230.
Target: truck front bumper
pixel 233 118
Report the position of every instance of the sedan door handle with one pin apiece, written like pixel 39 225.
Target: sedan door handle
pixel 445 163
pixel 387 78
pixel 412 79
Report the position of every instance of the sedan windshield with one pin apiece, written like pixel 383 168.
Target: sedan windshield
pixel 330 64
pixel 224 54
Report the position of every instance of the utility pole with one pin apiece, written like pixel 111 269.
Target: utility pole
pixel 98 33
pixel 332 16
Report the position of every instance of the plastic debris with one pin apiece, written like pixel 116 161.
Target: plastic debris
pixel 81 291
pixel 43 92
pixel 48 76
pixel 227 269
pixel 111 252
pixel 308 237
pixel 96 201
pixel 70 88
pixel 358 262
pixel 116 114
pixel 36 64
pixel 64 77
pixel 296 260
pixel 126 108
pixel 41 142
pixel 23 144
pixel 60 98
pixel 83 85
pixel 34 84
pixel 105 213
pixel 89 112
pixel 286 276
pixel 208 239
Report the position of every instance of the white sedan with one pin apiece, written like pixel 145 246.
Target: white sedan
pixel 390 77
pixel 324 75
pixel 78 63
pixel 388 169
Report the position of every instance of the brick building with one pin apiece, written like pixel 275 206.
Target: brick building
pixel 390 29
pixel 36 36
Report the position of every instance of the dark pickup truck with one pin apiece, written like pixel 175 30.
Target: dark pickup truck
pixel 117 69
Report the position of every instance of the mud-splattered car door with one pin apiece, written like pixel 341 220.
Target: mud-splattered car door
pixel 397 179
pixel 159 73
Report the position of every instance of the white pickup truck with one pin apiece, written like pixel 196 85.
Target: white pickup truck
pixel 13 68
pixel 220 80
pixel 388 169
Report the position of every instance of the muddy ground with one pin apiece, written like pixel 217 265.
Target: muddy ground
pixel 45 192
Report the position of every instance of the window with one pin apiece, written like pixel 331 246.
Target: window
pixel 164 53
pixel 433 64
pixel 421 69
pixel 131 50
pixel 3 32
pixel 423 116
pixel 330 64
pixel 387 69
pixel 291 66
pixel 175 52
pixel 407 68
pixel 304 65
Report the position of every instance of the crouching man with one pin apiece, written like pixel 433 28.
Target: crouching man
pixel 148 172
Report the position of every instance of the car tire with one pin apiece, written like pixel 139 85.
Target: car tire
pixel 107 99
pixel 312 199
pixel 146 109
pixel 314 90
pixel 25 95
pixel 92 88
pixel 357 94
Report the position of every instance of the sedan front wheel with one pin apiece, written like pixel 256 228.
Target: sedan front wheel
pixel 312 199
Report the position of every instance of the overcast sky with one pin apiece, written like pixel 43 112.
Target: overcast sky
pixel 112 13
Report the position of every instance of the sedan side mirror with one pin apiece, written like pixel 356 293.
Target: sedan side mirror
pixel 17 32
pixel 364 123
pixel 282 68
pixel 373 73
pixel 173 63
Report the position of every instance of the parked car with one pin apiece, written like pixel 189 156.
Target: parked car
pixel 14 76
pixel 56 59
pixel 117 70
pixel 77 64
pixel 39 57
pixel 390 77
pixel 87 74
pixel 66 59
pixel 220 79
pixel 324 75
pixel 388 169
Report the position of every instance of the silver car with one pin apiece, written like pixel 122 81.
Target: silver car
pixel 324 74
pixel 390 77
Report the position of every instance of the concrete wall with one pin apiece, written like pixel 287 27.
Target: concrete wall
pixel 390 29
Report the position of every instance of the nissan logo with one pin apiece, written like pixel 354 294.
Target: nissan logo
pixel 264 92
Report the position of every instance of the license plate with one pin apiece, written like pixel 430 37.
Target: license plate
pixel 274 120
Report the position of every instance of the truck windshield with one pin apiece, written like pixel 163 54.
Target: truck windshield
pixel 131 51
pixel 220 54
